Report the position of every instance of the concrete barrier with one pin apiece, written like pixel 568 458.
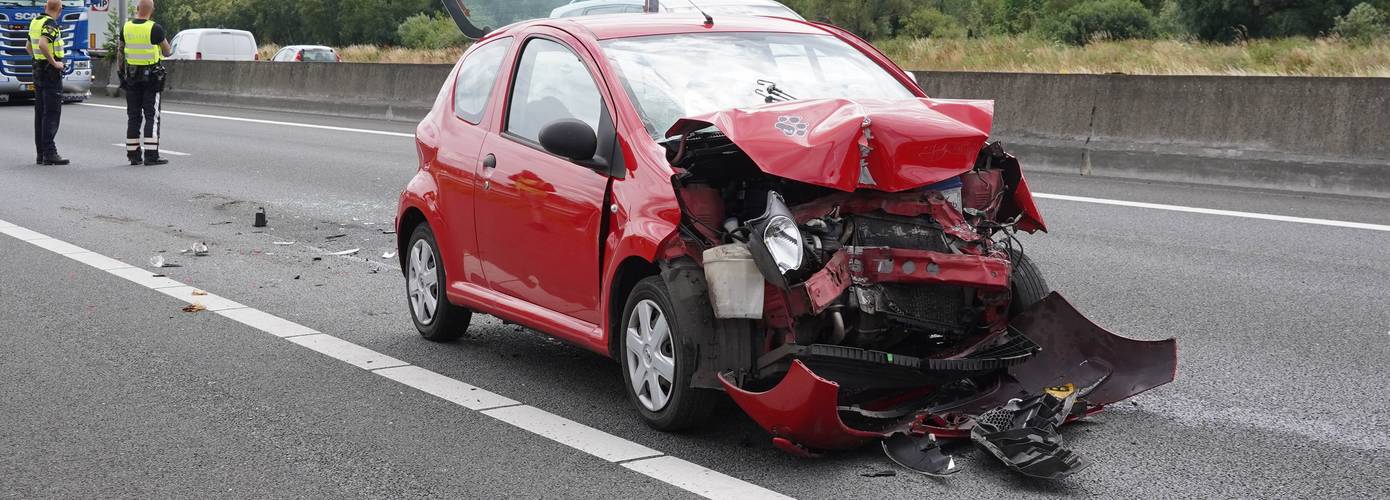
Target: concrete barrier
pixel 390 91
pixel 1325 135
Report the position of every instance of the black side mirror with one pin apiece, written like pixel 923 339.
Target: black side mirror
pixel 571 139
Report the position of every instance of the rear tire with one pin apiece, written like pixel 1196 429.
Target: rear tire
pixel 425 286
pixel 658 353
pixel 1027 282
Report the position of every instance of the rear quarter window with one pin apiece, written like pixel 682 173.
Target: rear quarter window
pixel 473 89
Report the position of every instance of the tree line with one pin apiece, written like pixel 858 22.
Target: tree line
pixel 422 23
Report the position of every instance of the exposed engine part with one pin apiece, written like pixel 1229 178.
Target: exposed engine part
pixel 735 286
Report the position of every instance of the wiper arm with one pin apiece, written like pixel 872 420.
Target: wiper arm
pixel 771 93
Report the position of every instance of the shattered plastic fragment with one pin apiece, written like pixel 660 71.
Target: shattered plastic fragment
pixel 284 243
pixel 260 218
pixel 388 255
pixel 346 252
pixel 199 292
pixel 1023 434
pixel 157 261
pixel 921 454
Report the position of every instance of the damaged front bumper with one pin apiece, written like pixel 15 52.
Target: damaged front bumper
pixel 1053 367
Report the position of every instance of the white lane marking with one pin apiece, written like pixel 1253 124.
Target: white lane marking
pixel 145 278
pixel 266 322
pixel 98 261
pixel 697 479
pixel 22 234
pixel 1211 211
pixel 445 388
pixel 58 246
pixel 211 302
pixel 267 122
pixel 654 464
pixel 346 352
pixel 573 434
pixel 161 151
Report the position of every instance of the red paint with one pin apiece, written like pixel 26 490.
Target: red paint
pixel 914 143
pixel 902 265
pixel 800 409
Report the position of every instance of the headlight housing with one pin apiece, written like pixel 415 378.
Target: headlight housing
pixel 776 241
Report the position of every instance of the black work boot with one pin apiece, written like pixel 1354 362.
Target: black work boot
pixel 152 158
pixel 54 159
pixel 134 157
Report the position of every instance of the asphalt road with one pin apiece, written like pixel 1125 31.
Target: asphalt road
pixel 109 389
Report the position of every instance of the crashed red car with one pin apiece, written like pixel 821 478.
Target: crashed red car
pixel 763 207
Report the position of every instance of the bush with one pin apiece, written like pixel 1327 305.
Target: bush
pixel 928 22
pixel 424 31
pixel 1363 24
pixel 1109 19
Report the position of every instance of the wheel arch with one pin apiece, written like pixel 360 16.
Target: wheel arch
pixel 411 218
pixel 630 271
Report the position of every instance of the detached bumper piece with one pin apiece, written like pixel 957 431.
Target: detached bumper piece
pixel 1024 435
pixel 1053 366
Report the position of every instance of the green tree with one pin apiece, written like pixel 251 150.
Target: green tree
pixel 927 22
pixel 1364 23
pixel 1112 19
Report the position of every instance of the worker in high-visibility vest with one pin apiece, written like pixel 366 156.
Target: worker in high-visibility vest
pixel 143 48
pixel 47 47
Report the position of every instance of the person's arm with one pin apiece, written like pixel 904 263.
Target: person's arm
pixel 48 53
pixel 166 49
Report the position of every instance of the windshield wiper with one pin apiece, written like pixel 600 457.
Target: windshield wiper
pixel 771 93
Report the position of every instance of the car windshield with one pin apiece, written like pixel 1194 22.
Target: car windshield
pixel 319 55
pixel 740 70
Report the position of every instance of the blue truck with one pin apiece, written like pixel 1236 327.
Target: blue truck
pixel 16 65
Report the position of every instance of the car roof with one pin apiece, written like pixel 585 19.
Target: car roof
pixel 304 47
pixel 603 27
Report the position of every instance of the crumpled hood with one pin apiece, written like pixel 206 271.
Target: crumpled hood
pixel 911 142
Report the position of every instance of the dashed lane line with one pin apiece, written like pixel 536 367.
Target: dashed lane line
pixel 630 455
pixel 162 151
pixel 265 122
pixel 1211 211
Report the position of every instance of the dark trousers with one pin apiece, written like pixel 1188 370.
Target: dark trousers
pixel 142 108
pixel 48 109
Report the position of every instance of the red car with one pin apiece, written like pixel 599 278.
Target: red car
pixel 763 207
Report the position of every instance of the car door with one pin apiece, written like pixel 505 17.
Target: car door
pixel 539 215
pixel 463 127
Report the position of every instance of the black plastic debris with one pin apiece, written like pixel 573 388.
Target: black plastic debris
pixel 1024 434
pixel 260 218
pixel 922 454
pixel 881 473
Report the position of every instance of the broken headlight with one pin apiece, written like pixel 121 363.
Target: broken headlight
pixel 776 241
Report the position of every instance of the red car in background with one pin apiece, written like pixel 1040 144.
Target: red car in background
pixel 764 207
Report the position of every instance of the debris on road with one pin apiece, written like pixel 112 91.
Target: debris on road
pixel 199 292
pixel 260 218
pixel 388 255
pixel 194 307
pixel 336 236
pixel 388 231
pixel 346 252
pixel 881 473
pixel 284 243
pixel 199 249
pixel 157 261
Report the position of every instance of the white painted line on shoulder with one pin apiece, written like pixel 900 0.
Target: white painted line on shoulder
pixel 267 322
pixel 266 122
pixel 652 463
pixel 211 302
pixel 699 480
pixel 22 234
pixel 570 433
pixel 98 261
pixel 161 151
pixel 1211 211
pixel 59 247
pixel 346 352
pixel 446 388
pixel 145 278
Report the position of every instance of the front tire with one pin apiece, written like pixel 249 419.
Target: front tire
pixel 425 283
pixel 659 360
pixel 1027 282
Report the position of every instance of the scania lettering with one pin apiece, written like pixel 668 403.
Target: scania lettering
pixel 16 65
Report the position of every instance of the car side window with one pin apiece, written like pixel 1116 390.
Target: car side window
pixel 551 84
pixel 473 89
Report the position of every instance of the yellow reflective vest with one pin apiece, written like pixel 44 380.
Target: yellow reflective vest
pixel 36 32
pixel 139 51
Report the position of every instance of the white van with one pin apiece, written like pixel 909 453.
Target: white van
pixel 215 44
